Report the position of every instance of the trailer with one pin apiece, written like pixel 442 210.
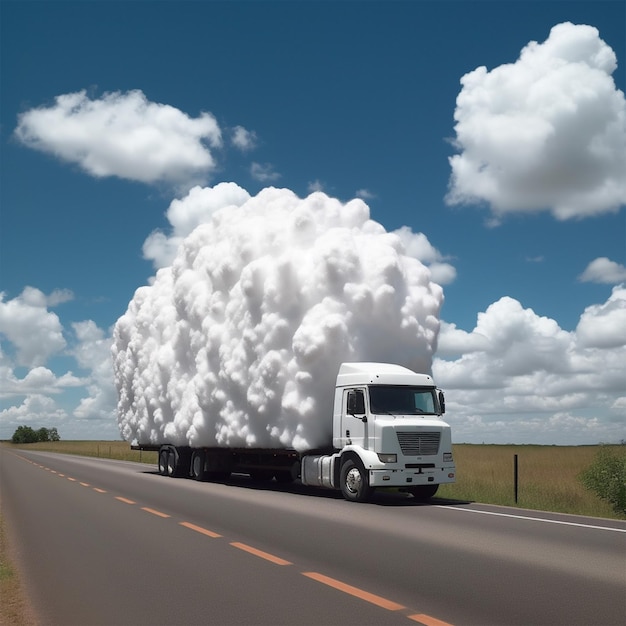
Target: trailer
pixel 387 432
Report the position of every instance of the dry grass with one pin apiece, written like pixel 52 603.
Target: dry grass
pixel 119 450
pixel 547 478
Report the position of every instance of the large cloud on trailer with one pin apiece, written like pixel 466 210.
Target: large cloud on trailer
pixel 238 341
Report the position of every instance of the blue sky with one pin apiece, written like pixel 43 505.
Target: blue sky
pixel 350 98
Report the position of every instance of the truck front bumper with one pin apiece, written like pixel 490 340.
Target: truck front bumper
pixel 407 477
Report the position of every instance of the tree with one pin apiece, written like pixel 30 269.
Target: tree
pixel 43 435
pixel 25 434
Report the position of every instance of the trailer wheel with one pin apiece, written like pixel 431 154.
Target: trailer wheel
pixel 171 463
pixel 354 481
pixel 163 454
pixel 423 493
pixel 197 465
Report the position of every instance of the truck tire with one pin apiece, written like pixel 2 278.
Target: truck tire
pixel 354 481
pixel 163 454
pixel 171 464
pixel 197 465
pixel 423 493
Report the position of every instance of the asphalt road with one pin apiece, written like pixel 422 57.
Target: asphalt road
pixel 113 543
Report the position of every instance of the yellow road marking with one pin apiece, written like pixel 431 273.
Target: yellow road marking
pixel 145 508
pixel 421 618
pixel 199 529
pixel 260 553
pixel 427 620
pixel 355 591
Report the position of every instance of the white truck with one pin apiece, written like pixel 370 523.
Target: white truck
pixel 387 432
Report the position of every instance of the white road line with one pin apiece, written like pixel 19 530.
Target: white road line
pixel 534 519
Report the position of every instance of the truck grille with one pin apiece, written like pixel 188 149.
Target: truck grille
pixel 419 444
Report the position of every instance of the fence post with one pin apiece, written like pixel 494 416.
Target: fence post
pixel 515 476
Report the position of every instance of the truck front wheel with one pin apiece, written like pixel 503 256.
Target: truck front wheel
pixel 423 493
pixel 354 481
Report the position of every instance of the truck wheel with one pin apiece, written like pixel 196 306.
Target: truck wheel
pixel 163 454
pixel 171 463
pixel 423 493
pixel 197 465
pixel 354 481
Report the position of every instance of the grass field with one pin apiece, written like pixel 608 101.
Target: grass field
pixel 547 478
pixel 547 475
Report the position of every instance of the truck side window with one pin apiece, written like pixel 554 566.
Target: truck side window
pixel 356 402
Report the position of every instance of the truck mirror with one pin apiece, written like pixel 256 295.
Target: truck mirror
pixel 442 403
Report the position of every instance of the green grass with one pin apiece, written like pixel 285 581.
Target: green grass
pixel 547 478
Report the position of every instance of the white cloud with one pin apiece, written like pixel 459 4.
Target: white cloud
pixel 454 341
pixel 123 135
pixel 603 270
pixel 547 132
pixel 184 215
pixel 93 352
pixel 604 325
pixel 243 139
pixel 36 411
pixel 42 395
pixel 264 173
pixel 418 246
pixel 365 194
pixel 34 331
pixel 260 305
pixel 316 185
pixel 39 380
pixel 519 377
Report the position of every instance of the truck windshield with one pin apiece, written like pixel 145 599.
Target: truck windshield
pixel 401 400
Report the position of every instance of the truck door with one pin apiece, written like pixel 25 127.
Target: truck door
pixel 354 417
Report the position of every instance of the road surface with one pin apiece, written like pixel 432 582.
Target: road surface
pixel 112 543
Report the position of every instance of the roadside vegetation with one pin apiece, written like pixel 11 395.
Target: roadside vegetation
pixel 119 450
pixel 25 434
pixel 550 478
pixel 606 476
pixel 14 607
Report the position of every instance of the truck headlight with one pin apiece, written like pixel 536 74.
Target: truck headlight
pixel 447 457
pixel 388 458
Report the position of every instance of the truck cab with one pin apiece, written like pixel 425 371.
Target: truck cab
pixel 388 431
